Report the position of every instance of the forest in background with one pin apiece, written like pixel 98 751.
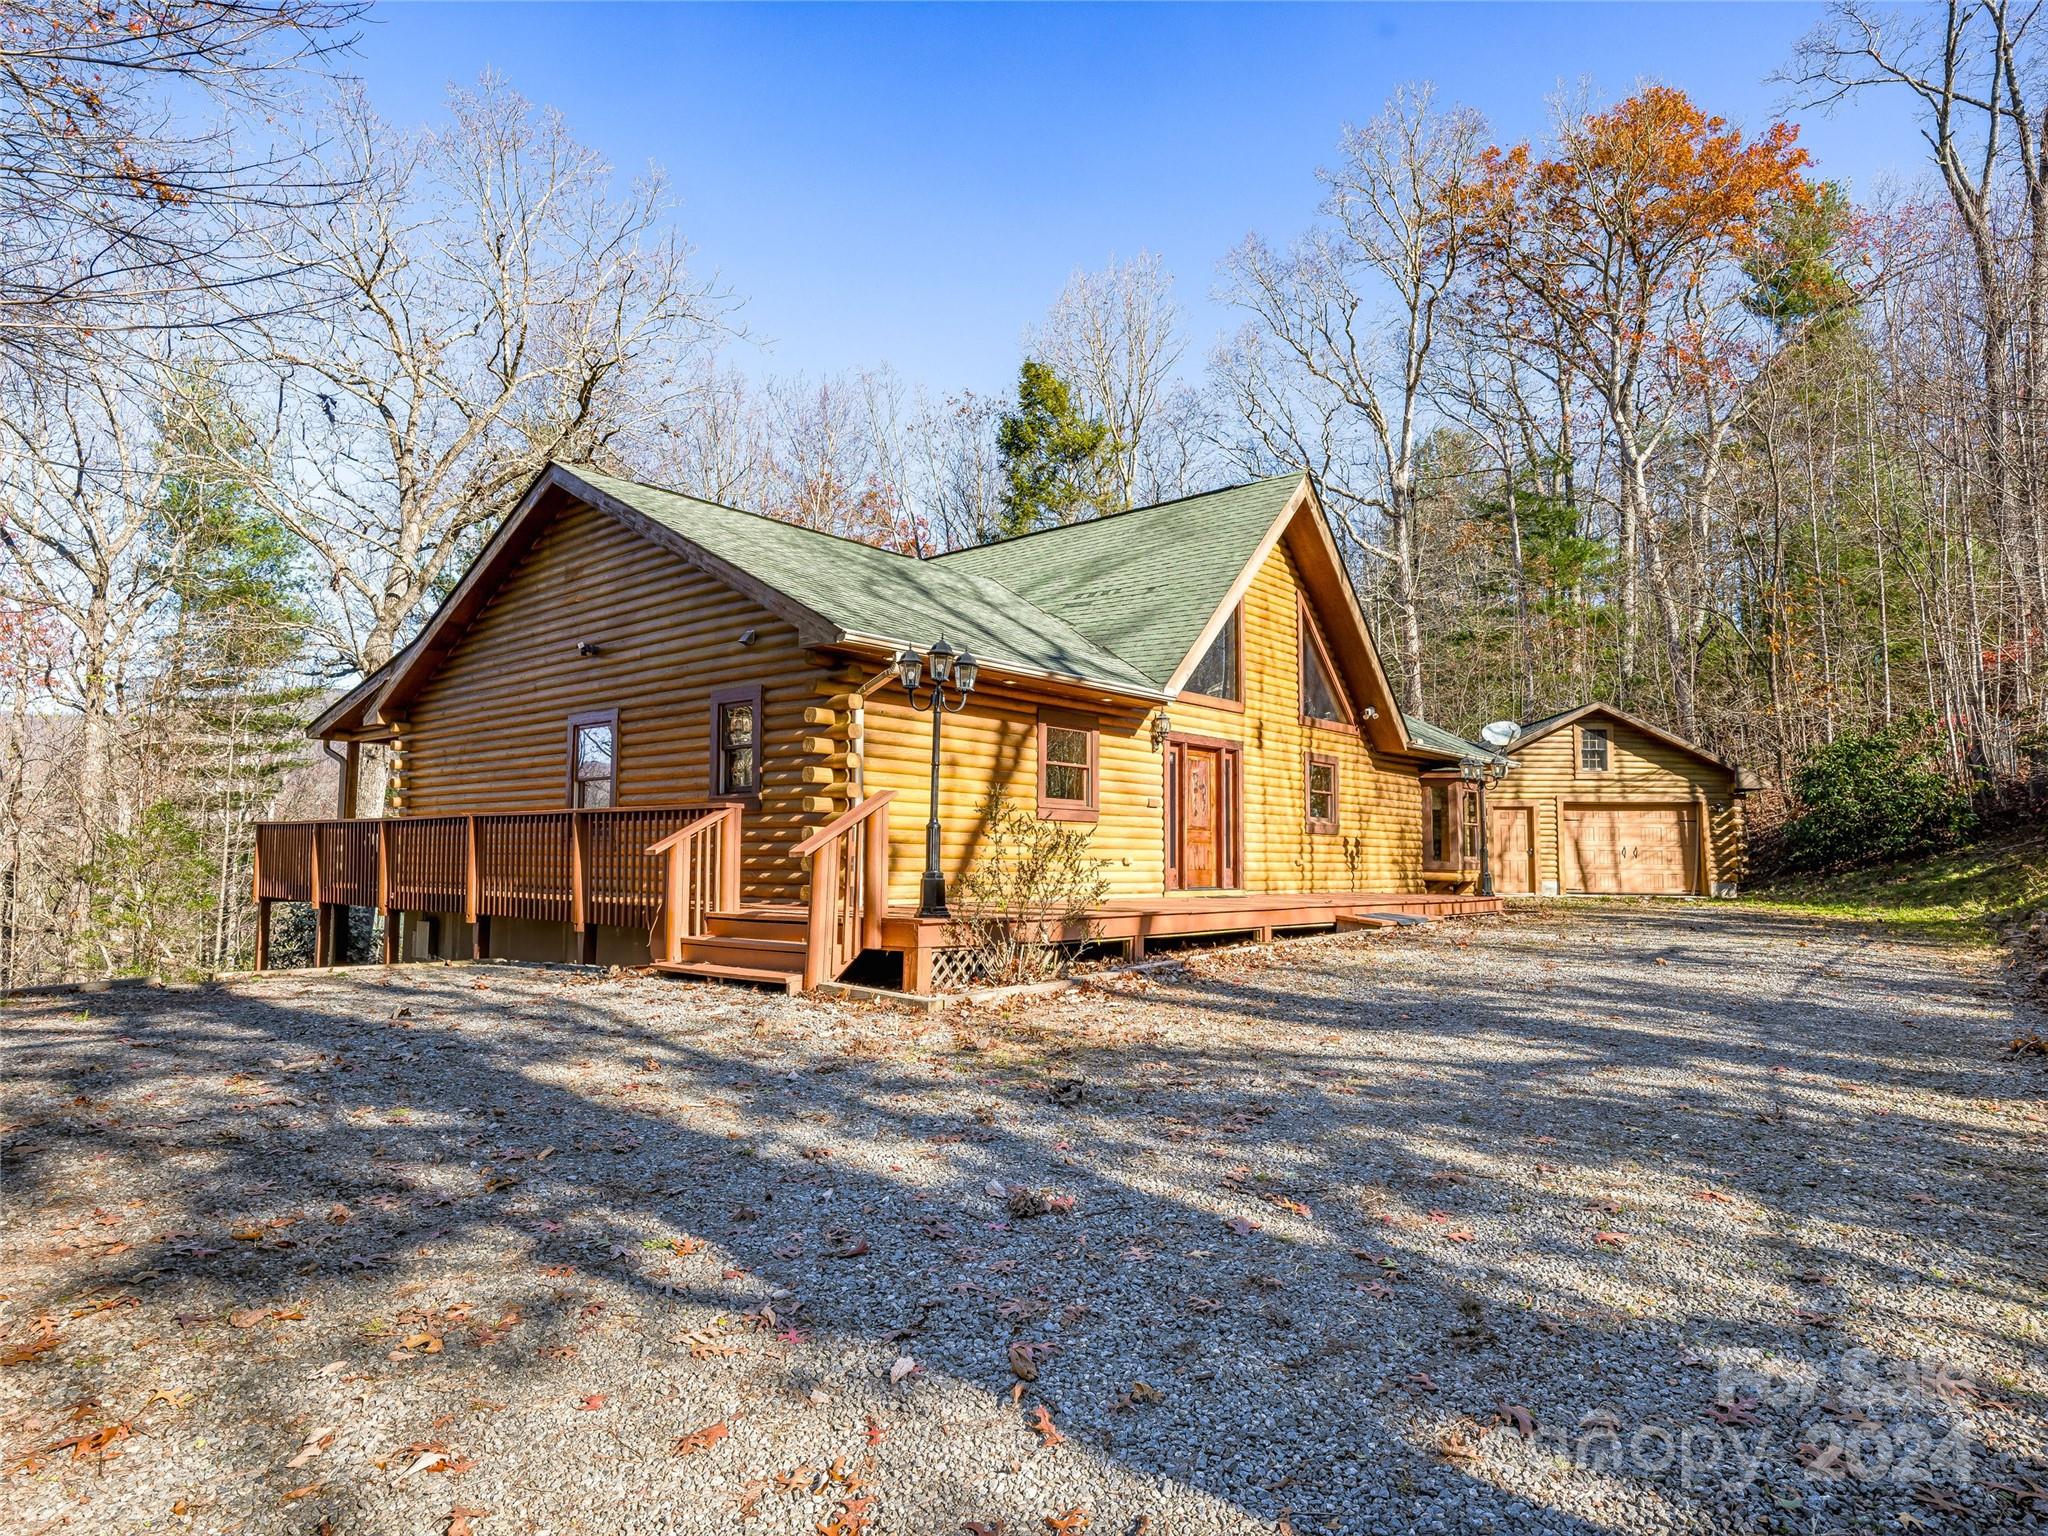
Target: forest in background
pixel 1647 411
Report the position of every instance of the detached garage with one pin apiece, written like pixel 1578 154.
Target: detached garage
pixel 1601 803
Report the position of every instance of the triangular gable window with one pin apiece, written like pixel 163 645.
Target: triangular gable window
pixel 1215 675
pixel 1318 693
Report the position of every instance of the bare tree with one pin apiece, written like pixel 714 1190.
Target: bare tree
pixel 1973 71
pixel 502 306
pixel 125 213
pixel 1329 372
pixel 1115 337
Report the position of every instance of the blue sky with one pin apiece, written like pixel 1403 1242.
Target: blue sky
pixel 912 184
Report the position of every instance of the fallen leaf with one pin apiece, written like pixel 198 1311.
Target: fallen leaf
pixel 1072 1523
pixel 460 1519
pixel 903 1367
pixel 1040 1423
pixel 703 1439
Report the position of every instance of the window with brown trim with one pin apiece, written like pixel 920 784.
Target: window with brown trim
pixel 736 744
pixel 1594 748
pixel 1322 793
pixel 1220 672
pixel 1436 826
pixel 1069 767
pixel 1321 701
pixel 594 760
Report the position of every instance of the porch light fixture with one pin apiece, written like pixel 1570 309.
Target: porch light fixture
pixel 944 666
pixel 1480 772
pixel 1162 727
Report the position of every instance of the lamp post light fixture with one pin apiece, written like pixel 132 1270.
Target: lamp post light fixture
pixel 1480 772
pixel 951 671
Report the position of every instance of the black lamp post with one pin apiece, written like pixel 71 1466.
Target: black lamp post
pixel 1479 772
pixel 944 666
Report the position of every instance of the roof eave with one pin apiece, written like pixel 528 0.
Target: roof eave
pixel 1006 667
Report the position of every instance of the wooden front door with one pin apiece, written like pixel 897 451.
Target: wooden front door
pixel 1511 848
pixel 1201 830
pixel 1201 827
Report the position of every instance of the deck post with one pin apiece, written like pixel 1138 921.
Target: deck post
pixel 262 933
pixel 824 897
pixel 479 925
pixel 384 892
pixel 729 861
pixel 917 963
pixel 1134 948
pixel 322 955
pixel 579 890
pixel 876 853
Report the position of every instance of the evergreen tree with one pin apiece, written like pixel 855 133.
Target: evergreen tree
pixel 227 711
pixel 1054 459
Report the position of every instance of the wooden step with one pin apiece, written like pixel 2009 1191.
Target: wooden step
pixel 762 954
pixel 711 970
pixel 759 923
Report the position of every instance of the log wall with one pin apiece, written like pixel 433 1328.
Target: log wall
pixel 1378 843
pixel 489 729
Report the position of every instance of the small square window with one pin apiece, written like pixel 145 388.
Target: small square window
pixel 1322 794
pixel 1592 749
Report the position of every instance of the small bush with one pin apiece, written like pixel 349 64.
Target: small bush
pixel 1032 881
pixel 1874 797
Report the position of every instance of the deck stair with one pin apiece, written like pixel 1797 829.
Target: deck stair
pixel 761 944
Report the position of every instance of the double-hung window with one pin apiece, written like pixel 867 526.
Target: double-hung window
pixel 1068 767
pixel 594 760
pixel 736 744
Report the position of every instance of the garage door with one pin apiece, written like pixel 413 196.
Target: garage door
pixel 1637 850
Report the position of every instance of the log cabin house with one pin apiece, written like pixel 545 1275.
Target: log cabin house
pixel 644 727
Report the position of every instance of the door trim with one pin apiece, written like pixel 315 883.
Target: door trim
pixel 1230 847
pixel 1528 808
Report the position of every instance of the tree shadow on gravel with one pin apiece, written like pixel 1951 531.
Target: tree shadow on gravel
pixel 1349 1220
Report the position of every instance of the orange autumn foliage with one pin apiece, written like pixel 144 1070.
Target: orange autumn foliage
pixel 1617 240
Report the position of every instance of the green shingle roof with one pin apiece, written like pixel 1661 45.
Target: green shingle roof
pixel 1430 738
pixel 1138 584
pixel 876 593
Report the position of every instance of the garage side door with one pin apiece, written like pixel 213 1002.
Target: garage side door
pixel 1631 850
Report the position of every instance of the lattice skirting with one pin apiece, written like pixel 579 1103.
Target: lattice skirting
pixel 962 970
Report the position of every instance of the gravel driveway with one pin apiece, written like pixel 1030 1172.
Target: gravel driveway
pixel 1609 1219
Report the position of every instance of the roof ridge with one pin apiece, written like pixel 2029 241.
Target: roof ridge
pixel 582 466
pixel 1110 517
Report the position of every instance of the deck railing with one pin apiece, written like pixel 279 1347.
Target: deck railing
pixel 700 875
pixel 849 887
pixel 589 869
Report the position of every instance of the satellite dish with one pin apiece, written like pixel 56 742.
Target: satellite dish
pixel 1502 733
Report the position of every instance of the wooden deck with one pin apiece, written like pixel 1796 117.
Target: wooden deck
pixel 766 943
pixel 1137 921
pixel 673 872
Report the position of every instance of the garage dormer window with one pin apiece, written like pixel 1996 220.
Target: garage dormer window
pixel 1593 745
